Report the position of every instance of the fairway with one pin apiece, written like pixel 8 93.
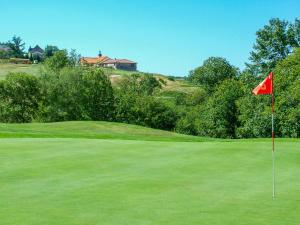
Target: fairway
pixel 6 68
pixel 91 181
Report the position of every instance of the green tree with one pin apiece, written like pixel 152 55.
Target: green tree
pixel 135 104
pixel 254 116
pixel 287 89
pixel 295 36
pixel 74 58
pixel 50 50
pixel 190 120
pixel 76 93
pixel 255 111
pixel 5 54
pixel 148 84
pixel 97 93
pixel 19 98
pixel 213 71
pixel 155 113
pixel 125 107
pixel 274 42
pixel 140 84
pixel 220 115
pixel 17 46
pixel 58 61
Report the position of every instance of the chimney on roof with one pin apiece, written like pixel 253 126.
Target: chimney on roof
pixel 100 54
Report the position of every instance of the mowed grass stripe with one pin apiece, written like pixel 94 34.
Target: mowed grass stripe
pixel 85 181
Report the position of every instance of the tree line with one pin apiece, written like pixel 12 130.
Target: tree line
pixel 221 105
pixel 65 91
pixel 16 49
pixel 229 110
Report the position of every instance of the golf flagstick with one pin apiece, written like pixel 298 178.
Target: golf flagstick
pixel 266 88
pixel 273 139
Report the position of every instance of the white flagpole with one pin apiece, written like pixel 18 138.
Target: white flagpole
pixel 273 139
pixel 273 155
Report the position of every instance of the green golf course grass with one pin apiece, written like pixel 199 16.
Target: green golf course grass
pixel 100 173
pixel 6 68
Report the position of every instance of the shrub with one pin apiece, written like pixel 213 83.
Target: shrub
pixel 98 98
pixel 76 94
pixel 213 71
pixel 220 116
pixel 19 98
pixel 58 61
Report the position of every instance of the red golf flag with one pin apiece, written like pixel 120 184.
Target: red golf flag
pixel 265 87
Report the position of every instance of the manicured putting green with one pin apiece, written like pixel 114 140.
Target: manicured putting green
pixel 80 181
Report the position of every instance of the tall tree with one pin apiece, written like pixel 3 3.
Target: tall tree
pixel 58 61
pixel 17 46
pixel 219 118
pixel 74 57
pixel 287 89
pixel 97 95
pixel 19 98
pixel 274 42
pixel 50 50
pixel 213 71
pixel 295 29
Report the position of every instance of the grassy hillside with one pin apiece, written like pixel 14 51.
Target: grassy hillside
pixel 78 180
pixel 6 68
pixel 115 75
pixel 91 130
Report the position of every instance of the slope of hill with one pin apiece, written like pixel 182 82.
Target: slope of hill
pixel 115 75
pixel 91 130
pixel 6 68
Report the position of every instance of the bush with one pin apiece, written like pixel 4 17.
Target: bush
pixel 213 71
pixel 187 122
pixel 254 116
pixel 144 110
pixel 58 61
pixel 97 94
pixel 76 94
pixel 287 89
pixel 255 111
pixel 156 114
pixel 219 118
pixel 19 98
pixel 140 84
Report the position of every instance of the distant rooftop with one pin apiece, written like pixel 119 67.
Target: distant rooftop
pixel 112 61
pixel 94 60
pixel 104 60
pixel 4 48
pixel 36 49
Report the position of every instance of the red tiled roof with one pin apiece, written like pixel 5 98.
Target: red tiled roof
pixel 94 60
pixel 120 61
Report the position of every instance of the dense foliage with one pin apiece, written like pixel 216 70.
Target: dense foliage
pixel 221 103
pixel 15 47
pixel 136 104
pixel 20 97
pixel 213 71
pixel 274 43
pixel 76 94
pixel 50 50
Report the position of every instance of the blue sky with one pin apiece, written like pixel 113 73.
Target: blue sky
pixel 164 36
